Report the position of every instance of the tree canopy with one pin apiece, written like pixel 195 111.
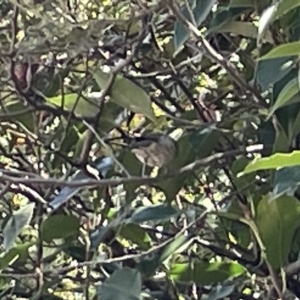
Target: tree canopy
pixel 82 82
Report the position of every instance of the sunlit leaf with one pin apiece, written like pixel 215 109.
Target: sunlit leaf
pixel 126 93
pixel 275 161
pixel 277 220
pixel 205 273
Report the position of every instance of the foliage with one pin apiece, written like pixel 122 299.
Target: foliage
pixel 81 218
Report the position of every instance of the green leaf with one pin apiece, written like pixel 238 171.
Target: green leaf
pixel 153 213
pixel 200 10
pixel 126 93
pixel 148 266
pixel 284 50
pixel 277 220
pixel 286 180
pixel 286 96
pixel 285 6
pixel 59 227
pixel 13 254
pixel 225 16
pixel 274 161
pixel 76 104
pixel 246 29
pixel 15 106
pixel 15 225
pixel 241 3
pixel 123 284
pixel 270 71
pixel 205 273
pixel 136 234
pixel 266 18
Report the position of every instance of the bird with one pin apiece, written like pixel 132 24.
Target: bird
pixel 154 149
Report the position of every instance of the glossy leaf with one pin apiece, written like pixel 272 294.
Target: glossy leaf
pixel 286 180
pixel 15 225
pixel 59 227
pixel 205 273
pixel 123 284
pixel 200 9
pixel 270 71
pixel 75 103
pixel 153 213
pixel 127 94
pixel 285 6
pixel 277 220
pixel 288 49
pixel 286 96
pixel 273 162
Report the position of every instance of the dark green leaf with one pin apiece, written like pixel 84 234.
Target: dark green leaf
pixel 286 180
pixel 136 234
pixel 270 71
pixel 200 11
pixel 148 266
pixel 153 213
pixel 59 227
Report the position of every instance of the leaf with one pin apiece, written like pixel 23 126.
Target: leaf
pixel 127 94
pixel 123 284
pixel 225 16
pixel 286 96
pixel 15 106
pixel 241 3
pixel 153 213
pixel 246 29
pixel 270 71
pixel 277 220
pixel 205 273
pixel 284 50
pixel 286 180
pixel 265 19
pixel 136 234
pixel 274 161
pixel 148 266
pixel 15 225
pixel 76 104
pixel 285 6
pixel 59 227
pixel 201 10
pixel 13 254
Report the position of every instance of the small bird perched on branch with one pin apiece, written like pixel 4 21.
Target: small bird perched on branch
pixel 154 149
